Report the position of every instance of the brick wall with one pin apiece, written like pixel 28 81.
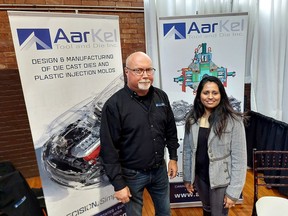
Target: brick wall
pixel 131 22
pixel 15 137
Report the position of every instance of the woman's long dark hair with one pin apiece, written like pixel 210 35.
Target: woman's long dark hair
pixel 219 116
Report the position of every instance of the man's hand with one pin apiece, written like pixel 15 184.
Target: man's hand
pixel 123 195
pixel 172 168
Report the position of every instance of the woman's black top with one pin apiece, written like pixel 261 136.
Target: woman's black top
pixel 202 159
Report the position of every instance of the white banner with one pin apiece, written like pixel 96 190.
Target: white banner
pixel 69 64
pixel 192 47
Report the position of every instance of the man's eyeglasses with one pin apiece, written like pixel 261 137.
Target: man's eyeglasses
pixel 140 71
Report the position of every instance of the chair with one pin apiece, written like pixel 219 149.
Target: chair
pixel 270 169
pixel 271 205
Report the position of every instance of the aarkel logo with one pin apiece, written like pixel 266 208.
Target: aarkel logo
pixel 175 30
pixel 38 38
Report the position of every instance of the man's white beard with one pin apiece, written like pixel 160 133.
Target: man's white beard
pixel 144 85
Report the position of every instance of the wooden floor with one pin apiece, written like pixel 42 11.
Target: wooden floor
pixel 243 209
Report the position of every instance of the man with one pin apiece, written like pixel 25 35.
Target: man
pixel 137 123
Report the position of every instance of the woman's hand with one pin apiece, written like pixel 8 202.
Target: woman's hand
pixel 228 203
pixel 189 187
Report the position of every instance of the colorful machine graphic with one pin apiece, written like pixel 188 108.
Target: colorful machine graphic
pixel 201 66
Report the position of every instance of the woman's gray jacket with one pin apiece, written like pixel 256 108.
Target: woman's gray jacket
pixel 227 156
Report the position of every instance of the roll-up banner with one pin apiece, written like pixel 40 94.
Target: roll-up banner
pixel 69 64
pixel 192 47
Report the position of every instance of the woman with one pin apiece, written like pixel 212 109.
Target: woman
pixel 214 149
